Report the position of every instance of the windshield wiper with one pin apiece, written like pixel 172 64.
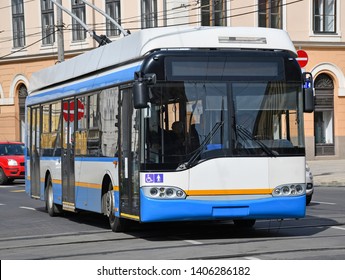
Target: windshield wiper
pixel 248 136
pixel 199 150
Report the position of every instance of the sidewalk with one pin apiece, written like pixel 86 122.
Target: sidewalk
pixel 328 172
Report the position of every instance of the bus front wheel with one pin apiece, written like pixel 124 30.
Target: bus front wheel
pixel 117 224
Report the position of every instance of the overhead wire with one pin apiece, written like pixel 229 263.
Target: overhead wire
pixel 24 2
pixel 171 18
pixel 25 47
pixel 126 21
pixel 224 17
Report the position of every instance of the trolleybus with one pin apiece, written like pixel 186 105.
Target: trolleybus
pixel 172 124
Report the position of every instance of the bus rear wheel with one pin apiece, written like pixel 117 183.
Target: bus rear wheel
pixel 51 207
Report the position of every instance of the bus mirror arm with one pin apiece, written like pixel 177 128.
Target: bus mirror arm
pixel 140 89
pixel 308 93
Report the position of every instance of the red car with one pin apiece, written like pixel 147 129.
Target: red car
pixel 11 162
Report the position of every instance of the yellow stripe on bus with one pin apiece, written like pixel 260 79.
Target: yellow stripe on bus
pixel 130 216
pixel 88 185
pixel 55 181
pixel 229 192
pixel 83 184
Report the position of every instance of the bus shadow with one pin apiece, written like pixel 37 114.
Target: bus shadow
pixel 196 230
pixel 306 227
pixel 92 219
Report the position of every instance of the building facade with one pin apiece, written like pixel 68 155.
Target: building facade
pixel 34 35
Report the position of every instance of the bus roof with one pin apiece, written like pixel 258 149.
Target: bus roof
pixel 142 42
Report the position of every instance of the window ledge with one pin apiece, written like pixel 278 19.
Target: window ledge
pixel 326 37
pixel 7 101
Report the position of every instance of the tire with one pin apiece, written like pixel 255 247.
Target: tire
pixel 308 200
pixel 3 177
pixel 51 207
pixel 116 224
pixel 245 223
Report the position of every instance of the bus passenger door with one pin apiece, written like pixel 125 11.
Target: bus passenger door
pixel 34 153
pixel 128 157
pixel 67 156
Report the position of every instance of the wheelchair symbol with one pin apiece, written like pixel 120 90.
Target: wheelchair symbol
pixel 149 178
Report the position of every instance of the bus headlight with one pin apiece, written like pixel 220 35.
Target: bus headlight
pixel 289 190
pixel 164 192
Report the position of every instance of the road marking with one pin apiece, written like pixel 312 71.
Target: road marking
pixel 194 242
pixel 18 191
pixel 28 208
pixel 328 203
pixel 341 228
pixel 1 204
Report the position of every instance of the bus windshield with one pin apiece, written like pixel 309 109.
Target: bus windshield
pixel 188 122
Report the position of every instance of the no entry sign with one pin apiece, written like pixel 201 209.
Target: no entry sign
pixel 302 58
pixel 68 111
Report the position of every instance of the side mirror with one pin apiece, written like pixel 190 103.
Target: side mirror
pixel 140 89
pixel 308 93
pixel 140 95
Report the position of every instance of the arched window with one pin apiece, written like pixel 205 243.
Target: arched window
pixel 22 94
pixel 324 115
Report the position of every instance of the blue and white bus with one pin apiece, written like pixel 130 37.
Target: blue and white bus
pixel 172 124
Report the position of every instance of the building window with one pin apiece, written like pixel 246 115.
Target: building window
pixel 22 94
pixel 149 13
pixel 113 9
pixel 324 13
pixel 18 23
pixel 213 12
pixel 270 13
pixel 78 31
pixel 47 14
pixel 324 115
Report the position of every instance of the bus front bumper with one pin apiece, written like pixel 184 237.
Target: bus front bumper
pixel 161 210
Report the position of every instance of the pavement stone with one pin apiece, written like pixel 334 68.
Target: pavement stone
pixel 328 172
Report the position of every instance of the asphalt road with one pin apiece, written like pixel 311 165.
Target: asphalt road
pixel 27 232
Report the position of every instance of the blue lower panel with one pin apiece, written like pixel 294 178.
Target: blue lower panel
pixel 154 210
pixel 88 199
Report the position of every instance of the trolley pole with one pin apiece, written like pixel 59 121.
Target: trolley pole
pixel 60 39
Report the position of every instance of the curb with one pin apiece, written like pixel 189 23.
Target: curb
pixel 329 184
